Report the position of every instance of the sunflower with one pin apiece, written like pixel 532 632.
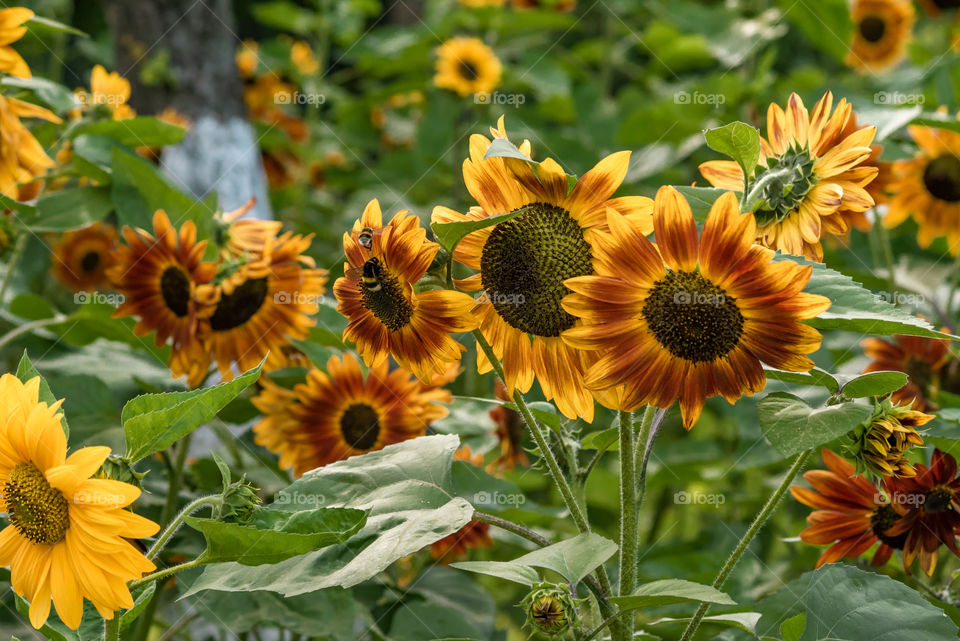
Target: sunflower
pixel 880 445
pixel 262 305
pixel 927 187
pixel 815 173
pixel 112 90
pixel 524 261
pixel 82 257
pixel 303 58
pixel 340 413
pixel 690 319
pixel 68 534
pixel 247 59
pixel 922 359
pixel 245 237
pixel 467 66
pixel 159 276
pixel 11 30
pixel 478 4
pixel 929 507
pixel 851 513
pixel 881 33
pixel 22 158
pixel 387 317
pixel 510 432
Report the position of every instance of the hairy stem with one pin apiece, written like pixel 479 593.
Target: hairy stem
pixel 629 519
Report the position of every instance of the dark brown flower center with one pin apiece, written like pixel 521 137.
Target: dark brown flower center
pixel 938 499
pixel 942 178
pixel 693 318
pixel 382 293
pixel 524 264
pixel 39 512
pixel 175 289
pixel 881 521
pixel 239 306
pixel 468 70
pixel 90 261
pixel 360 426
pixel 872 28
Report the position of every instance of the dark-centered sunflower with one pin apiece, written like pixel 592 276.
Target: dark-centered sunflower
pixel 159 276
pixel 258 308
pixel 82 257
pixel 881 31
pixel 387 316
pixel 467 66
pixel 340 413
pixel 927 187
pixel 689 319
pixel 524 262
pixel 851 513
pixel 812 171
pixel 922 359
pixel 69 536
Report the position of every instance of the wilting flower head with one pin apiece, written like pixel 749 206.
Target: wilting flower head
pixel 880 445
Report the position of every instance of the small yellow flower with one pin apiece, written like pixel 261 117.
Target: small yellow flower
pixel 113 90
pixel 246 58
pixel 302 56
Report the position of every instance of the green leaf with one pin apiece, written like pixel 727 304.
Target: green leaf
pixel 888 121
pixel 25 372
pixel 739 141
pixel 456 607
pixel 273 536
pixel 824 24
pixel 509 570
pixel 843 602
pixel 746 621
pixel 68 209
pixel 700 199
pixel 47 24
pixel 154 422
pixel 139 603
pixel 450 234
pixel 857 309
pixel 670 591
pixel 573 558
pixel 142 131
pixel 873 384
pixel 792 426
pixel 792 628
pixel 407 489
pixel 52 93
pixel 607 439
pixel 503 148
pixel 31 307
pixel 939 121
pixel 815 377
pixel 9 203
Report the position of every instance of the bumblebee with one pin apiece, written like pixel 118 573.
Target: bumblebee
pixel 366 237
pixel 371 275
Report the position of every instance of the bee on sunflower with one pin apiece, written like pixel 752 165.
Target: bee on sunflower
pixel 690 318
pixel 387 316
pixel 11 30
pixel 82 257
pixel 342 413
pixel 882 30
pixel 524 262
pixel 70 535
pixel 811 176
pixel 467 66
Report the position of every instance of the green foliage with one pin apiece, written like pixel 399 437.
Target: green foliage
pixel 792 426
pixel 739 141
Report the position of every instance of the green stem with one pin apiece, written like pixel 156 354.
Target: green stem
pixel 765 512
pixel 884 241
pixel 176 475
pixel 161 574
pixel 649 427
pixel 175 524
pixel 29 327
pixel 111 628
pixel 15 257
pixel 629 518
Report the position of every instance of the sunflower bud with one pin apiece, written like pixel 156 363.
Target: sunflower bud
pixel 239 499
pixel 550 609
pixel 117 468
pixel 880 444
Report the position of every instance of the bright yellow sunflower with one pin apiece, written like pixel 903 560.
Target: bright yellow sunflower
pixel 11 30
pixel 340 413
pixel 262 306
pixel 113 90
pixel 22 158
pixel 82 257
pixel 881 33
pixel 927 187
pixel 524 262
pixel 814 171
pixel 387 316
pixel 689 319
pixel 68 536
pixel 159 276
pixel 467 66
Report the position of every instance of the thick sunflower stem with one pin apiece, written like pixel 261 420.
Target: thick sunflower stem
pixel 111 628
pixel 765 512
pixel 629 518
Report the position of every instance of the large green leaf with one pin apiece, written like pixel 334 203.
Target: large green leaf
pixel 873 384
pixel 408 492
pixel 443 604
pixel 69 209
pixel 815 377
pixel 272 536
pixel 826 24
pixel 670 591
pixel 574 558
pixel 450 234
pixel 52 93
pixel 843 602
pixel 154 422
pixel 142 131
pixel 25 372
pixel 739 141
pixel 792 426
pixel 509 570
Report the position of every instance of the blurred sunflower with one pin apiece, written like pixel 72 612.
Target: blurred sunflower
pixel 882 29
pixel 68 537
pixel 510 432
pixel 815 173
pixel 689 319
pixel 22 158
pixel 11 30
pixel 929 507
pixel 524 262
pixel 851 513
pixel 921 359
pixel 262 305
pixel 476 4
pixel 159 276
pixel 112 90
pixel 246 237
pixel 340 413
pixel 246 58
pixel 387 317
pixel 82 257
pixel 303 58
pixel 927 187
pixel 467 66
